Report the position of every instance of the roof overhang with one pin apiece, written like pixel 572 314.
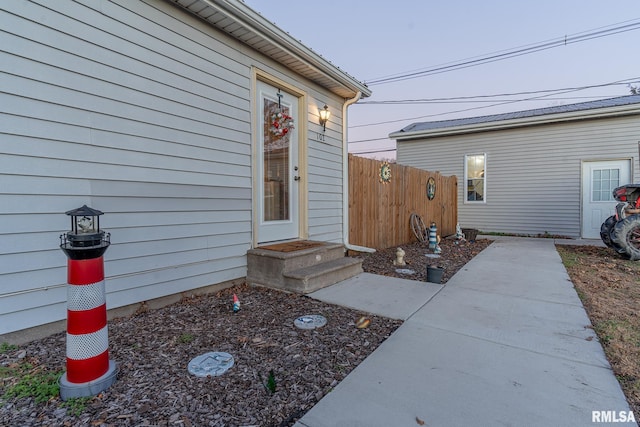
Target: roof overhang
pixel 596 113
pixel 249 27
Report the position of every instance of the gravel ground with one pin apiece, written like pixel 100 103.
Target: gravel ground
pixel 152 349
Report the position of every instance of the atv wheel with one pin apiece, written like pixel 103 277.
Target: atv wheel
pixel 619 249
pixel 626 234
pixel 605 230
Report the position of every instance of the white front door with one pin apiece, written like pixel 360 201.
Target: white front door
pixel 598 180
pixel 277 165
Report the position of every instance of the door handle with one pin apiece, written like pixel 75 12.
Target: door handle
pixel 296 178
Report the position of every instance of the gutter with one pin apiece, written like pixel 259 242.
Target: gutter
pixel 345 180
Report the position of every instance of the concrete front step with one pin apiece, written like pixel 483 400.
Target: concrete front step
pixel 318 276
pixel 302 270
pixel 287 261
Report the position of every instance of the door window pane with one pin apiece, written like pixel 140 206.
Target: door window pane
pixel 276 166
pixel 603 181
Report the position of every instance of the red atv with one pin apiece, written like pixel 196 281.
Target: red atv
pixel 622 230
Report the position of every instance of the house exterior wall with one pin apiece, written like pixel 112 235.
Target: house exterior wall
pixel 533 174
pixel 142 111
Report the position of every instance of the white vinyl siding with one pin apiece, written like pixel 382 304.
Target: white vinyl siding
pixel 142 111
pixel 535 171
pixel 324 168
pixel 325 185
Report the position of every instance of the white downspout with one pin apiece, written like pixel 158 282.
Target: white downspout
pixel 345 180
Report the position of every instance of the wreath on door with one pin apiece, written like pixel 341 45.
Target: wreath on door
pixel 281 124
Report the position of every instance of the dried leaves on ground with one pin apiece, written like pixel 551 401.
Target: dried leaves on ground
pixel 609 287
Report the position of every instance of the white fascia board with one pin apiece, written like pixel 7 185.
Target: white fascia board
pixel 596 113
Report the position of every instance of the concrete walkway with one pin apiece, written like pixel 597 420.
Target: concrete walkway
pixel 506 342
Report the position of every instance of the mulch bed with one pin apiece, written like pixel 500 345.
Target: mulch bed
pixel 455 254
pixel 153 348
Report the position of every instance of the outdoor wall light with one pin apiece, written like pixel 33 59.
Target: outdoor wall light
pixel 324 117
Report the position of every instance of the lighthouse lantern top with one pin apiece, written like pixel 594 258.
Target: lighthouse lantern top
pixel 85 220
pixel 85 240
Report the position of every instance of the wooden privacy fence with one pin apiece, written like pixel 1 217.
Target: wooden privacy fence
pixel 379 212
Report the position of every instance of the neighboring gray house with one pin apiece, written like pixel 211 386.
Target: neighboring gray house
pixel 549 170
pixel 159 114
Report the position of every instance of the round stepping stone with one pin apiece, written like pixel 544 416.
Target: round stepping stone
pixel 211 364
pixel 310 321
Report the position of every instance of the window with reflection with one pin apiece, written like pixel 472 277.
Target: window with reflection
pixel 474 176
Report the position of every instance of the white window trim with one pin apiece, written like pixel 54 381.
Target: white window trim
pixel 464 189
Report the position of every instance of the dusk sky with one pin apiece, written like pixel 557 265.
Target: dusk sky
pixel 376 39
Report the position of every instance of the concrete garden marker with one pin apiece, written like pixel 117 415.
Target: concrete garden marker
pixel 211 364
pixel 310 321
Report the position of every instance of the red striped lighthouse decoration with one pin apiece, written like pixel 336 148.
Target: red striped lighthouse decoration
pixel 89 370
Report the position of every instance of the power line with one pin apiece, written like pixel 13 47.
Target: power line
pixel 620 27
pixel 368 140
pixel 548 92
pixel 440 114
pixel 471 98
pixel 518 51
pixel 471 101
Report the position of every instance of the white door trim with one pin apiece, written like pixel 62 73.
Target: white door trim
pixel 296 101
